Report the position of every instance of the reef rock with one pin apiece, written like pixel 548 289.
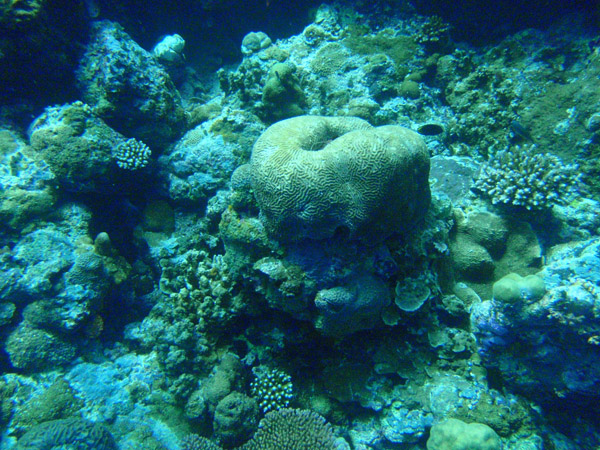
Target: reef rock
pixel 128 88
pixel 84 154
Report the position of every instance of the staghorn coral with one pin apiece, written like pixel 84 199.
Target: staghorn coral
pixel 314 177
pixel 290 428
pixel 526 180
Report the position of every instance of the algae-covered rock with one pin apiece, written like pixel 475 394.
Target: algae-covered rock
pixel 357 306
pixel 197 166
pixel 235 418
pixel 83 153
pixel 282 96
pixel 68 433
pixel 485 247
pixel 470 259
pixel 27 183
pixel 314 177
pixel 58 401
pixel 32 349
pixel 128 88
pixel 409 89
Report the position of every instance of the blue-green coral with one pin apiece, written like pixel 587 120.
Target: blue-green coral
pixel 525 179
pixel 272 387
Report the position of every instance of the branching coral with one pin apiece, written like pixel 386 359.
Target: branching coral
pixel 525 179
pixel 132 154
pixel 296 429
pixel 195 442
pixel 272 388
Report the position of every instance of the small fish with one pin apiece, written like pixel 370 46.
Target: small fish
pixel 520 133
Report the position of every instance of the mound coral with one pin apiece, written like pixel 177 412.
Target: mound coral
pixel 315 177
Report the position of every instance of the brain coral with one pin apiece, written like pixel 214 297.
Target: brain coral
pixel 74 433
pixel 314 177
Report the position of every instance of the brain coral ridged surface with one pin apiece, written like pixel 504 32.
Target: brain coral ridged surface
pixel 317 176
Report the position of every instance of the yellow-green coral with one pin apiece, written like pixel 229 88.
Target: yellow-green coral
pixel 317 176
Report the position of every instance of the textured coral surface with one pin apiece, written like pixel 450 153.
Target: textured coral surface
pixel 315 176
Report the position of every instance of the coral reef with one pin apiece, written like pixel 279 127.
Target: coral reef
pixel 83 153
pixel 527 316
pixel 171 258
